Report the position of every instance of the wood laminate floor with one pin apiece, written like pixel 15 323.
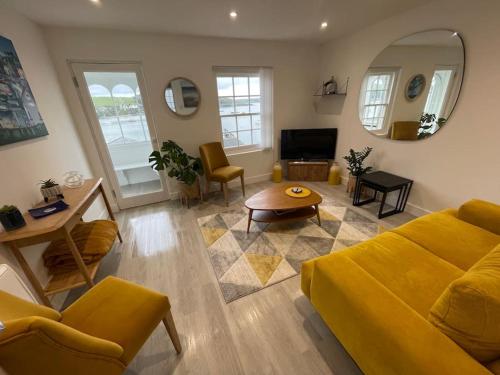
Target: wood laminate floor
pixel 273 331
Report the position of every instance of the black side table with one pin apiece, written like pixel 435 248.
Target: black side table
pixel 385 183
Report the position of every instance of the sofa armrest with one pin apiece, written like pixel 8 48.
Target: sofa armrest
pixel 382 333
pixel 482 214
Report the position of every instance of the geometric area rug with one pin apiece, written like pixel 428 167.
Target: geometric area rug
pixel 246 263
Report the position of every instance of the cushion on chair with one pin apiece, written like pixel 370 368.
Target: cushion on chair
pixel 405 130
pixel 213 157
pixel 118 311
pixel 225 174
pixel 12 307
pixel 468 311
pixel 482 214
pixel 451 239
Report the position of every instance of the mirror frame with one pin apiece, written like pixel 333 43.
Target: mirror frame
pixel 199 98
pixel 464 53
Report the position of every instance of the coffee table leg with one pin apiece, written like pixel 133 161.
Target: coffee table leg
pixel 317 214
pixel 250 212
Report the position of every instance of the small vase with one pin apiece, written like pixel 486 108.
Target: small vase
pixel 188 192
pixel 52 192
pixel 12 220
pixel 277 172
pixel 334 174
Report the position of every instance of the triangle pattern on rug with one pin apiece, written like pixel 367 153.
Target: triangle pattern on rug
pixel 211 235
pixel 353 216
pixel 262 246
pixel 263 265
pixel 244 239
pixel 282 272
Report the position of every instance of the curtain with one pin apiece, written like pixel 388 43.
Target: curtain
pixel 266 94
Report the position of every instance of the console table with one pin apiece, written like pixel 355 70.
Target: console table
pixel 57 226
pixel 308 170
pixel 385 183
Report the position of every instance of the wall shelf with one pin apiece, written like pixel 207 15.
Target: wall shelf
pixel 319 91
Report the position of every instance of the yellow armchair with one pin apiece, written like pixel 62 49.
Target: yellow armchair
pixel 98 334
pixel 217 168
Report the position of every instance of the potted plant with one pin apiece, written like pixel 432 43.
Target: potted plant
pixel 185 168
pixel 11 218
pixel 355 161
pixel 50 189
pixel 429 125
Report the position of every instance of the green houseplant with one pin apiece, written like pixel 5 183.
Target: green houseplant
pixel 50 189
pixel 183 167
pixel 355 166
pixel 11 218
pixel 427 123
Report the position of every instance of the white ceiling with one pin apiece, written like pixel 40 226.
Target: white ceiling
pixel 257 19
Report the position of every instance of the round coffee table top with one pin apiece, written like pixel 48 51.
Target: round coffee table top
pixel 275 199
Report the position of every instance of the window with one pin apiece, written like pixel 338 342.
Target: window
pixel 439 91
pixel 245 107
pixel 377 89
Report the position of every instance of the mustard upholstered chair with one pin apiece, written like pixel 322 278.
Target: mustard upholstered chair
pixel 218 169
pixel 405 130
pixel 98 334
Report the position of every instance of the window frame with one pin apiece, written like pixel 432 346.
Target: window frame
pixel 389 106
pixel 232 72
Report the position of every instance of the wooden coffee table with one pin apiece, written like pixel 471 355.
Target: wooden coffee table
pixel 274 205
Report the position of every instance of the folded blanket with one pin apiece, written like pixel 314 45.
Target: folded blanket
pixel 93 240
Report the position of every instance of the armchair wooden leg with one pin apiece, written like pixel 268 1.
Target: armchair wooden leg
pixel 168 321
pixel 207 186
pixel 224 188
pixel 242 184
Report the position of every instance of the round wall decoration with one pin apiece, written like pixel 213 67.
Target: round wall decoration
pixel 415 87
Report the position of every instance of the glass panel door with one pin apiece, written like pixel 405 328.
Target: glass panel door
pixel 113 97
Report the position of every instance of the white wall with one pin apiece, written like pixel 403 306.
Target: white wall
pixel 164 57
pixel 462 160
pixel 24 164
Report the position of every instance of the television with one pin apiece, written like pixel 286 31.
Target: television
pixel 308 144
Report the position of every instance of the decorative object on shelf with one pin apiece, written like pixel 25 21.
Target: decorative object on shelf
pixel 11 218
pixel 415 87
pixel 277 172
pixel 50 189
pixel 330 87
pixel 406 92
pixel 182 97
pixel 184 168
pixel 334 177
pixel 298 192
pixel 39 212
pixel 355 166
pixel 73 179
pixel 429 125
pixel 19 117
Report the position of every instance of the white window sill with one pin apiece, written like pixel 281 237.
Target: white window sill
pixel 243 151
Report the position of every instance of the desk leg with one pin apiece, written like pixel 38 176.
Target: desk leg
pixel 29 274
pixel 78 258
pixel 110 212
pixel 250 213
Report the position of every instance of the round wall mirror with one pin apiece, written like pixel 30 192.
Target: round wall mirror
pixel 411 87
pixel 182 97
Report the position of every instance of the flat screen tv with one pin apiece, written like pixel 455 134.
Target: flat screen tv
pixel 308 144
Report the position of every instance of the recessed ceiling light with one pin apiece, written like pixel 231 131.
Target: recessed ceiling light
pixel 96 2
pixel 233 14
pixel 454 34
pixel 324 25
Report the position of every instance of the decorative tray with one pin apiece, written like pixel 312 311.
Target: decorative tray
pixel 38 213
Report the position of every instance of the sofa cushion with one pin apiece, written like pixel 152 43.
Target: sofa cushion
pixel 469 309
pixel 406 269
pixel 482 214
pixel 454 240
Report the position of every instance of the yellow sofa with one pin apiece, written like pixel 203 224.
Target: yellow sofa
pixel 376 296
pixel 99 334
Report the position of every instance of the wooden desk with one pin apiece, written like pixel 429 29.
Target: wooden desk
pixel 54 227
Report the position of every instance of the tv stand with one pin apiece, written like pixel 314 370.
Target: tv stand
pixel 299 170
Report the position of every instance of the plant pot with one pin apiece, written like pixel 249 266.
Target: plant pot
pixel 188 192
pixel 351 184
pixel 52 192
pixel 12 220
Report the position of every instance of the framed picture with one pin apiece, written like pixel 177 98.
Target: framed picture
pixel 415 87
pixel 19 116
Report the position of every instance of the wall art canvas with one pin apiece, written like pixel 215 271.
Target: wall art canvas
pixel 19 116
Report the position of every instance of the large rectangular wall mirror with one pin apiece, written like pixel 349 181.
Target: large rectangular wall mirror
pixel 412 86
